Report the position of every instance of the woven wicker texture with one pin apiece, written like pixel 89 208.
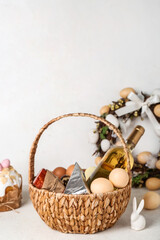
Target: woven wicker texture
pixel 78 213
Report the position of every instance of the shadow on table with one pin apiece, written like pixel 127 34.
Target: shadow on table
pixel 25 196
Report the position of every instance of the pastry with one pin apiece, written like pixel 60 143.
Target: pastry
pixel 10 187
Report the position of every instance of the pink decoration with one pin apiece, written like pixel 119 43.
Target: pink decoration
pixel 6 163
pixel 1 167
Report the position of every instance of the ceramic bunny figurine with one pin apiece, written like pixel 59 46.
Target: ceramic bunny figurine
pixel 138 222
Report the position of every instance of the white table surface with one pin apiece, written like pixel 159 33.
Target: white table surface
pixel 27 225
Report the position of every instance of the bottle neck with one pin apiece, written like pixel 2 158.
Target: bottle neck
pixel 134 137
pixel 130 145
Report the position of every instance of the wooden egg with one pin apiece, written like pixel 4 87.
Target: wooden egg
pixel 153 183
pixel 151 200
pixel 97 160
pixel 126 91
pixel 144 157
pixel 157 110
pixel 158 164
pixel 104 109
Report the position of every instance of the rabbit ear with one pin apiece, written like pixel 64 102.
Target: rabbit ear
pixel 134 204
pixel 140 207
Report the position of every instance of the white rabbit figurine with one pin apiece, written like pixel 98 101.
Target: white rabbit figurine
pixel 138 222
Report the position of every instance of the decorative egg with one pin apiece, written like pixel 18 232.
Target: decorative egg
pixel 157 110
pixel 144 157
pixel 158 164
pixel 97 160
pixel 93 136
pixel 59 172
pixel 89 172
pixel 119 177
pixel 6 163
pixel 126 91
pixel 151 200
pixel 101 185
pixel 153 183
pixel 104 109
pixel 70 170
pixel 112 119
pixel 105 144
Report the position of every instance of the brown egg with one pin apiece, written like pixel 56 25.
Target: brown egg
pixel 157 110
pixel 97 160
pixel 143 157
pixel 151 200
pixel 70 170
pixel 104 109
pixel 101 185
pixel 158 164
pixel 119 177
pixel 59 172
pixel 125 92
pixel 153 183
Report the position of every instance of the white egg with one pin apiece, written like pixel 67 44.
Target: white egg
pixel 93 136
pixel 105 144
pixel 112 119
pixel 156 92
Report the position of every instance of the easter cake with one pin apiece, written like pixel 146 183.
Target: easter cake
pixel 10 187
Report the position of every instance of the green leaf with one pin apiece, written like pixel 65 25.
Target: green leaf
pixel 104 129
pixel 102 136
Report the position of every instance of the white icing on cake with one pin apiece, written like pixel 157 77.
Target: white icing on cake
pixel 9 177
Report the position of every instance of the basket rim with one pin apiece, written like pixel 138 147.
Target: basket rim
pixel 114 192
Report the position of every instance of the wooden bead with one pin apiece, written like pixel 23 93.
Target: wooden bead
pixel 157 110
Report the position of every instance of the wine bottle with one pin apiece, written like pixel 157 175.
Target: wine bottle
pixel 115 157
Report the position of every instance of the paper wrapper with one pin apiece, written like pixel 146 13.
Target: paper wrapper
pixel 52 183
pixel 12 199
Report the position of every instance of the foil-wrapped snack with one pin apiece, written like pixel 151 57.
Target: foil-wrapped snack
pixel 77 183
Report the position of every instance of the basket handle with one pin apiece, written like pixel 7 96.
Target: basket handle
pixel 35 143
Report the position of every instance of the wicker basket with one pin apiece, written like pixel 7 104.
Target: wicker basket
pixel 78 213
